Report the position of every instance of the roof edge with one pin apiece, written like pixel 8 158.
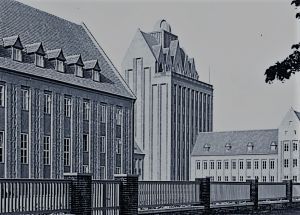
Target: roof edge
pixel 107 59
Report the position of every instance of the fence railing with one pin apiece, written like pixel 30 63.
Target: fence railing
pixel 105 197
pixel 229 191
pixel 168 193
pixel 271 191
pixel 34 195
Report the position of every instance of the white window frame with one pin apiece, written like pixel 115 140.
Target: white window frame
pixel 1 146
pixel 295 146
pixel 25 99
pixel 264 164
pixel 67 145
pixel 86 107
pixel 198 164
pixel 212 165
pixel 226 178
pixel 67 107
pixel 219 178
pixel 46 155
pixel 295 162
pixel 47 103
pixel 256 164
pixel 103 144
pixel 2 97
pixel 294 178
pixel 24 148
pixel 286 163
pixel 219 165
pixel 264 178
pixel 233 178
pixel 241 164
pixel 16 54
pixel 39 60
pixel 272 164
pixel 241 178
pixel 204 164
pixel 248 164
pixel 78 70
pixel 119 116
pixel 272 178
pixel 96 75
pixel 59 65
pixel 233 164
pixel 226 165
pixel 286 147
pixel 85 142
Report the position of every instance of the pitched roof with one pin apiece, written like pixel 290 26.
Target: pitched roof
pixel 33 26
pixel 156 51
pixel 91 64
pixel 10 41
pixel 260 139
pixel 74 59
pixel 297 114
pixel 56 53
pixel 35 47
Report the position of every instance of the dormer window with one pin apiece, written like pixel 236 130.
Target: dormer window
pixel 39 60
pixel 59 65
pixel 78 71
pixel 96 75
pixel 250 147
pixel 273 146
pixel 16 54
pixel 206 148
pixel 228 147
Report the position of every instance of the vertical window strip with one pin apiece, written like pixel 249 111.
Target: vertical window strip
pixel 67 107
pixel 1 146
pixel 103 113
pixel 86 110
pixel 46 150
pixel 85 142
pixel 102 144
pixel 24 145
pixel 119 116
pixel 1 95
pixel 67 151
pixel 25 99
pixel 78 71
pixel 119 146
pixel 47 103
pixel 39 60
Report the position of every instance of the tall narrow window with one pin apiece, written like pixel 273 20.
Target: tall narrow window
pixel 286 147
pixel 294 178
pixel 118 170
pixel 85 143
pixel 103 113
pixel 248 164
pixel 226 164
pixel 286 163
pixel 219 178
pixel 119 146
pixel 272 164
pixel 25 99
pixel 1 146
pixel 255 164
pixel 219 165
pixel 39 60
pixel 102 144
pixel 241 178
pixel 198 164
pixel 47 150
pixel 264 178
pixel 264 164
pixel 67 151
pixel 78 71
pixel 294 146
pixel 16 54
pixel 102 172
pixel 226 178
pixel 96 75
pixel 233 178
pixel 24 149
pixel 67 107
pixel 47 103
pixel 233 165
pixel 119 116
pixel 1 95
pixel 205 165
pixel 241 165
pixel 86 110
pixel 59 65
pixel 272 178
pixel 212 165
pixel 294 162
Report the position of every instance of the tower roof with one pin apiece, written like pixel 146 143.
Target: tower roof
pixel 162 25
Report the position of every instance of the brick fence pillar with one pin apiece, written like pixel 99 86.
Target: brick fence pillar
pixel 254 192
pixel 204 192
pixel 80 193
pixel 289 189
pixel 128 194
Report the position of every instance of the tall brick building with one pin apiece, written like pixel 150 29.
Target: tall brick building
pixel 63 105
pixel 172 106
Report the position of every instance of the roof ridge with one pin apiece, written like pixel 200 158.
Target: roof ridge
pixel 150 47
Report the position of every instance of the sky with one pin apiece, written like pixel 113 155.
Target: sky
pixel 236 40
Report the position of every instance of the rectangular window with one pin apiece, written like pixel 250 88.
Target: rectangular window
pixel 1 146
pixel 24 148
pixel 233 165
pixel 39 60
pixel 294 162
pixel 241 165
pixel 103 114
pixel 294 146
pixel 286 146
pixel 47 103
pixel 241 178
pixel 118 170
pixel 67 107
pixel 255 164
pixel 212 178
pixel 119 116
pixel 96 75
pixel 226 164
pixel 248 164
pixel 256 177
pixel 85 142
pixel 102 172
pixel 198 164
pixel 219 178
pixel 286 163
pixel 119 146
pixel 226 178
pixel 233 178
pixel 286 177
pixel 102 144
pixel 1 95
pixel 272 164
pixel 212 165
pixel 272 178
pixel 294 178
pixel 25 99
pixel 86 110
pixel 219 165
pixel 59 66
pixel 204 165
pixel 78 71
pixel 67 151
pixel 264 164
pixel 47 150
pixel 264 178
pixel 16 54
pixel 85 168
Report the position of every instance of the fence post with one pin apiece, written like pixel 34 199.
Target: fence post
pixel 254 192
pixel 289 189
pixel 80 193
pixel 204 192
pixel 128 193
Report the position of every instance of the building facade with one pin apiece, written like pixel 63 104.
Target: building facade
pixel 269 155
pixel 172 105
pixel 63 105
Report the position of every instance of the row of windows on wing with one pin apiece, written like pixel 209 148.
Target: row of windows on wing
pixel 88 69
pixel 241 178
pixel 250 146
pixel 25 101
pixel 166 68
